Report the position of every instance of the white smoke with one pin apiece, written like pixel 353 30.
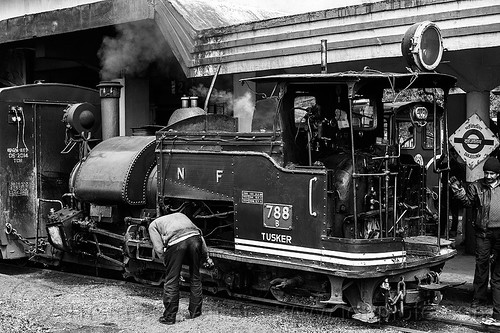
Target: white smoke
pixel 244 105
pixel 135 47
pixel 240 107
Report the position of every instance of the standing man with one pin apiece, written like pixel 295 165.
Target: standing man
pixel 483 195
pixel 177 240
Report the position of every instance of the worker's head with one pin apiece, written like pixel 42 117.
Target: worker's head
pixel 491 169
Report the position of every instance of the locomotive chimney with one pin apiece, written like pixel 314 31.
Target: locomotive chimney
pixel 109 91
pixel 324 62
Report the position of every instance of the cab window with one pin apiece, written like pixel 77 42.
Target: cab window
pixel 429 136
pixel 364 116
pixel 406 135
pixel 301 105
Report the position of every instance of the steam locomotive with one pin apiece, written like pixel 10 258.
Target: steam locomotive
pixel 333 199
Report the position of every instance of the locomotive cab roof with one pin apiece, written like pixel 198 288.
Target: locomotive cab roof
pixel 367 77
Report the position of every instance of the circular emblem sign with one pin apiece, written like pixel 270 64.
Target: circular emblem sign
pixel 474 141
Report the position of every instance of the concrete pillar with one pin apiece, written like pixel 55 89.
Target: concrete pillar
pixel 243 101
pixel 456 110
pixel 478 102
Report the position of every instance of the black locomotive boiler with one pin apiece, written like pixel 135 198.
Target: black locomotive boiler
pixel 331 199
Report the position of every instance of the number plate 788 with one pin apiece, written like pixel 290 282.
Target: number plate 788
pixel 278 216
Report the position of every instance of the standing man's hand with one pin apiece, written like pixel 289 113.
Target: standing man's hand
pixel 455 183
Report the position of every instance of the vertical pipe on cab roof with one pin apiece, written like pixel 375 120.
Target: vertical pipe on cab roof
pixel 324 61
pixel 109 91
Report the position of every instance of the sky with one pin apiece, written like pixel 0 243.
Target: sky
pixel 13 8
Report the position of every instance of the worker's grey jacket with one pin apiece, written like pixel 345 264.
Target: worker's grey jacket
pixel 167 230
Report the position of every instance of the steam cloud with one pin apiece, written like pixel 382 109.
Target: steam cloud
pixel 218 97
pixel 135 47
pixel 244 104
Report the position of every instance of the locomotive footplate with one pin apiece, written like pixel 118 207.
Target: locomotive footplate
pixel 439 286
pixel 425 245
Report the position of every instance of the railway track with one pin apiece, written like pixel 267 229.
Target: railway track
pixel 260 305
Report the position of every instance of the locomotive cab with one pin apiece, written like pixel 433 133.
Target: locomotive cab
pixel 349 127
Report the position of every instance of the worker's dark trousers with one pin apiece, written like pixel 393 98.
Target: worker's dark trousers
pixel 492 240
pixel 484 248
pixel 188 252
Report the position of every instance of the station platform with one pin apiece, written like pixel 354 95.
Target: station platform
pixel 459 274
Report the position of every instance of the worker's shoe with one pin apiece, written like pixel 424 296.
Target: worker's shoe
pixel 491 322
pixel 166 321
pixel 194 310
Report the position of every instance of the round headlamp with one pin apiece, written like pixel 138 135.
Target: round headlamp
pixel 422 46
pixel 82 117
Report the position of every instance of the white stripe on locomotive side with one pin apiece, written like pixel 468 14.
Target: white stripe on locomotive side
pixel 324 259
pixel 296 250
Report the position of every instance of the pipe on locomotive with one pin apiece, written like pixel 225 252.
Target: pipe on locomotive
pixel 109 91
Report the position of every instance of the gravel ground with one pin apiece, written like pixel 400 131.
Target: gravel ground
pixel 51 301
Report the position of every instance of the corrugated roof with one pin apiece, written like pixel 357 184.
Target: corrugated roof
pixel 209 14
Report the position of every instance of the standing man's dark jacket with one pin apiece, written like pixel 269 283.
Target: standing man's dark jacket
pixel 477 196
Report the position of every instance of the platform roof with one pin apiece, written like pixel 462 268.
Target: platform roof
pixel 211 35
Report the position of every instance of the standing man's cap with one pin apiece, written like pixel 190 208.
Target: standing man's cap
pixel 492 164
